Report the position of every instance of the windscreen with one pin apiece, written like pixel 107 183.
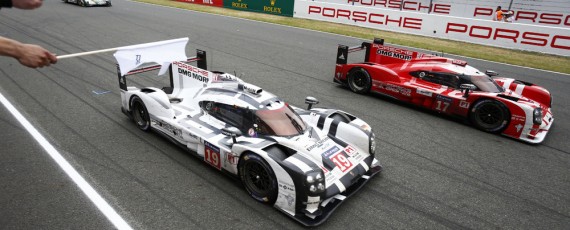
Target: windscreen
pixel 280 120
pixel 486 84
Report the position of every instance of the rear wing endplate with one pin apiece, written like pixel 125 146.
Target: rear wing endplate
pixel 343 51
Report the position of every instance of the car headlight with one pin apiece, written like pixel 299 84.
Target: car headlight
pixel 537 116
pixel 372 143
pixel 315 181
pixel 310 179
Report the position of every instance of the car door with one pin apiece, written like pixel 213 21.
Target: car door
pixel 437 91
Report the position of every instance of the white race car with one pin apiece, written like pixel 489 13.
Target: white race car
pixel 303 162
pixel 90 2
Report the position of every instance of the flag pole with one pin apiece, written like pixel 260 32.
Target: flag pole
pixel 86 53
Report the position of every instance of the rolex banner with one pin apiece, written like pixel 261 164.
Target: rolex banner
pixel 277 7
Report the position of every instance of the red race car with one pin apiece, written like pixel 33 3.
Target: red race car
pixel 514 108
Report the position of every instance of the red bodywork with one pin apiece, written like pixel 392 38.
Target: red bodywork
pixel 435 82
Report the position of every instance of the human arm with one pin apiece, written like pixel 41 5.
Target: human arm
pixel 21 4
pixel 29 55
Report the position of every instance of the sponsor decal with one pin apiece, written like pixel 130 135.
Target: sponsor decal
pixel 192 72
pixel 516 117
pixel 239 5
pixel 396 89
pixel 272 9
pixel 167 128
pixel 331 151
pixel 519 128
pixel 286 186
pixel 424 92
pixel 232 158
pixel 350 150
pixel 251 132
pixel 394 55
pixel 464 104
pixel 212 155
pixel 289 198
pixel 318 144
pixel 444 98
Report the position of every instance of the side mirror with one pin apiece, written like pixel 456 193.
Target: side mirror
pixel 491 73
pixel 311 101
pixel 467 88
pixel 232 132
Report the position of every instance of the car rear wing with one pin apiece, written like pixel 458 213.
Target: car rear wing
pixel 377 52
pixel 200 60
pixel 343 51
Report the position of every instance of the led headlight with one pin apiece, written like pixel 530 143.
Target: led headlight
pixel 319 177
pixel 310 179
pixel 312 188
pixel 537 116
pixel 315 181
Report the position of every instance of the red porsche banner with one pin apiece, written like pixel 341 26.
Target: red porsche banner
pixel 216 3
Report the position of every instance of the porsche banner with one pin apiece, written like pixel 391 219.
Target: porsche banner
pixel 276 7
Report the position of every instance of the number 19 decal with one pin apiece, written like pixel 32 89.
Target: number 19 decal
pixel 212 155
pixel 341 162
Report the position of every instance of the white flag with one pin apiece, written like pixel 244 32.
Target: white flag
pixel 161 52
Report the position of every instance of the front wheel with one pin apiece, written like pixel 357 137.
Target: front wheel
pixel 140 114
pixel 490 115
pixel 359 80
pixel 258 178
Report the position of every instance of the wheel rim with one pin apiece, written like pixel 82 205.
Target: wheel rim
pixel 141 117
pixel 257 178
pixel 490 115
pixel 359 80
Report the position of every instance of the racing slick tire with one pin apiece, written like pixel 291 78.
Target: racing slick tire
pixel 140 114
pixel 258 178
pixel 359 80
pixel 490 115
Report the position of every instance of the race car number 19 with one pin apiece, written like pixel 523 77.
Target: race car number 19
pixel 212 155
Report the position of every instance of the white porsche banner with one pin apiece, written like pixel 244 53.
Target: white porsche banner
pixel 161 52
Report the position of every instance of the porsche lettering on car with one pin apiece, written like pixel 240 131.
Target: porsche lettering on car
pixel 304 162
pixel 515 108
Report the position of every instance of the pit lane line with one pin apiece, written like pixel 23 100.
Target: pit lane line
pixel 101 204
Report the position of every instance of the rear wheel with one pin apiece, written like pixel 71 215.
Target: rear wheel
pixel 359 80
pixel 140 114
pixel 490 115
pixel 258 178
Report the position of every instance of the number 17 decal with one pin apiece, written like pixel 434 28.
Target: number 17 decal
pixel 442 106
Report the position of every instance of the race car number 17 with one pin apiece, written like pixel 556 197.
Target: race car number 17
pixel 212 155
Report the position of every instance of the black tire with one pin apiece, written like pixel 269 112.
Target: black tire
pixel 490 115
pixel 81 3
pixel 359 81
pixel 140 114
pixel 258 178
pixel 109 4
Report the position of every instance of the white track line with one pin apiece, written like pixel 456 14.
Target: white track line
pixel 103 206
